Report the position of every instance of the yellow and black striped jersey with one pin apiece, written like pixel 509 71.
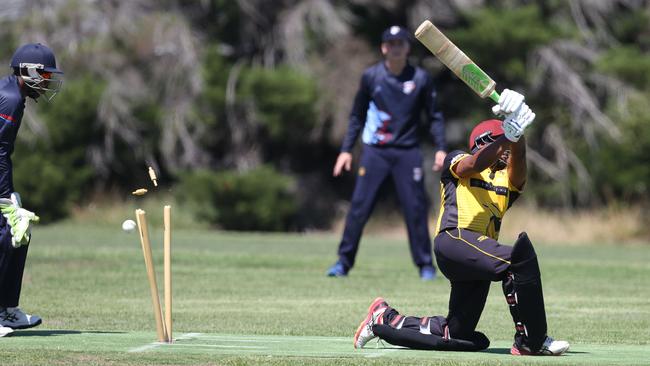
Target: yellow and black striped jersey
pixel 475 203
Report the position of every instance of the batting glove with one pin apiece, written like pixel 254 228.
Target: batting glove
pixel 516 123
pixel 509 102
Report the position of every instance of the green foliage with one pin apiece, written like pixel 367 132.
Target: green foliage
pixel 44 186
pixel 261 199
pixel 623 169
pixel 496 39
pixel 627 63
pixel 7 46
pixel 210 106
pixel 631 27
pixel 51 171
pixel 284 99
pixel 276 106
pixel 215 75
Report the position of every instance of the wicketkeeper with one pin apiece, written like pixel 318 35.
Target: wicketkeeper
pixel 34 70
pixel 477 189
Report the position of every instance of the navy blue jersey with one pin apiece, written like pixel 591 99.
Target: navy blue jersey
pixel 12 105
pixel 388 108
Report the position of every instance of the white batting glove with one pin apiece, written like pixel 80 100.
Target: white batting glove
pixel 509 102
pixel 516 123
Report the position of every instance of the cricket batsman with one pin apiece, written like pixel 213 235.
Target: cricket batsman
pixel 34 69
pixel 476 190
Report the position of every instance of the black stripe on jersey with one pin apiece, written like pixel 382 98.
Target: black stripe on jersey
pixel 450 217
pixel 501 191
pixel 513 197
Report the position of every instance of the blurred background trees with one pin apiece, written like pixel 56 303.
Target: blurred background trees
pixel 241 105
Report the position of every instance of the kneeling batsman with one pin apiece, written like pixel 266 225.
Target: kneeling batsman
pixel 477 188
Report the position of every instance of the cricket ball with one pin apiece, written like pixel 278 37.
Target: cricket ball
pixel 128 225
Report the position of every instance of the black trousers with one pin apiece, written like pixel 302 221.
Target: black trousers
pixel 470 261
pixel 404 166
pixel 12 266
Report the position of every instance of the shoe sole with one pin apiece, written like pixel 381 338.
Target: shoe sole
pixel 27 326
pixel 376 302
pixel 517 352
pixel 6 334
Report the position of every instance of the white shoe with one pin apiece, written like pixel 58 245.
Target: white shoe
pixel 15 318
pixel 364 331
pixel 550 347
pixel 5 331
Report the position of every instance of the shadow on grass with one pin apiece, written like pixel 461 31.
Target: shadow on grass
pixel 506 351
pixel 500 351
pixel 56 332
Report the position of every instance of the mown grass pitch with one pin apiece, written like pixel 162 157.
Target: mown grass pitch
pixel 136 348
pixel 264 299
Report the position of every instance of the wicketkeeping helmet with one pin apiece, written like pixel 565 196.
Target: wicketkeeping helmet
pixel 36 65
pixel 485 133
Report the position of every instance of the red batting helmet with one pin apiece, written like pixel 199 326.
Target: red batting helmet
pixel 484 133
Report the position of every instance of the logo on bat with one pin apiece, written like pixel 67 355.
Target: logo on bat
pixel 475 77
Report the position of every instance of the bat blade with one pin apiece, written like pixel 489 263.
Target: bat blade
pixel 456 60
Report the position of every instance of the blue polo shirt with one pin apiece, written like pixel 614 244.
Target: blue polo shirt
pixel 388 108
pixel 12 106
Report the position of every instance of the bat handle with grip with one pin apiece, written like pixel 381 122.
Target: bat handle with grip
pixel 494 96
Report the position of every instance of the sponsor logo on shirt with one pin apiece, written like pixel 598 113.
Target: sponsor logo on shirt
pixel 457 158
pixel 408 86
pixel 417 174
pixel 502 191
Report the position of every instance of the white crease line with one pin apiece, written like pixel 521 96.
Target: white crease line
pixel 153 345
pixel 188 336
pixel 146 347
pixel 215 346
pixel 237 340
pixel 379 354
pixel 275 339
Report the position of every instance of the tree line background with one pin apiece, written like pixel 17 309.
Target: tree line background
pixel 241 105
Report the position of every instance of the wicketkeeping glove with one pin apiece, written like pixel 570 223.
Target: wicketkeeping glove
pixel 18 218
pixel 509 102
pixel 516 122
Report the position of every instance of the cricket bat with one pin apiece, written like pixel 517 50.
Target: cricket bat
pixel 461 65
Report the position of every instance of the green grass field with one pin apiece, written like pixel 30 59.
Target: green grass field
pixel 264 299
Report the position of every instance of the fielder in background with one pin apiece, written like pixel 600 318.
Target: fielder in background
pixel 477 189
pixel 34 69
pixel 387 107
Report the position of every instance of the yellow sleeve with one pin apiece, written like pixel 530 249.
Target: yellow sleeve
pixel 455 160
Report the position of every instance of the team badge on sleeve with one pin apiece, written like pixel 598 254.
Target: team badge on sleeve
pixel 458 158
